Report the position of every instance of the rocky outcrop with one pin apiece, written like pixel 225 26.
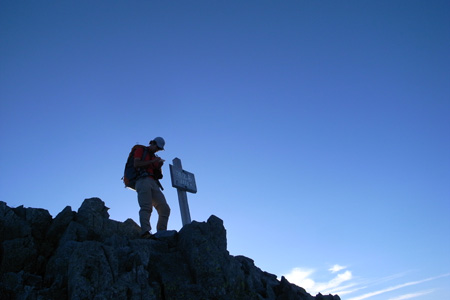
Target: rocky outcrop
pixel 85 255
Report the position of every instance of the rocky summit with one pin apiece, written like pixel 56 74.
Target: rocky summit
pixel 85 255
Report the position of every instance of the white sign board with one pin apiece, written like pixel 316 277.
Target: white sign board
pixel 184 182
pixel 182 179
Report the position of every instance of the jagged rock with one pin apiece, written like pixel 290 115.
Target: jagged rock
pixel 12 225
pixel 319 296
pixel 19 254
pixel 262 282
pixel 85 255
pixel 91 271
pixel 59 224
pixel 288 291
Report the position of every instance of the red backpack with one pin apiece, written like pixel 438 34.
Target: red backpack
pixel 132 174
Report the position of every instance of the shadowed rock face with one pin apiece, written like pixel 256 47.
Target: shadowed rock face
pixel 85 255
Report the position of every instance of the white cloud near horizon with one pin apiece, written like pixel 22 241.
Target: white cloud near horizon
pixel 363 284
pixel 393 288
pixel 412 295
pixel 302 278
pixel 336 268
pixel 346 289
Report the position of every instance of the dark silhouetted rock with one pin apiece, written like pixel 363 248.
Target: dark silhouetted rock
pixel 85 255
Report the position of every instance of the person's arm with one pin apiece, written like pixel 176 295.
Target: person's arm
pixel 138 163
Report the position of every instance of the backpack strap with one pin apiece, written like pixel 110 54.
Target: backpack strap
pixel 144 153
pixel 140 172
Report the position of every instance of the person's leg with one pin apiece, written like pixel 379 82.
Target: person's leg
pixel 144 192
pixel 161 206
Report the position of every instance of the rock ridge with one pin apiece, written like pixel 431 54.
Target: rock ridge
pixel 85 255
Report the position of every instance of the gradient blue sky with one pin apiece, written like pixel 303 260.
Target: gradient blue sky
pixel 317 130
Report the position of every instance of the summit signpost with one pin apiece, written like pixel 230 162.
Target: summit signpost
pixel 183 181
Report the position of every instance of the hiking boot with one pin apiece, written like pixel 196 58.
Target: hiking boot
pixel 147 235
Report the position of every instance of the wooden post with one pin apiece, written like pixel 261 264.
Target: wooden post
pixel 183 181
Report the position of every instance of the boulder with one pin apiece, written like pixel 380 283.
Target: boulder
pixel 85 255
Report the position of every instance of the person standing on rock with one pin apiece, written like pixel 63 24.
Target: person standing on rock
pixel 148 189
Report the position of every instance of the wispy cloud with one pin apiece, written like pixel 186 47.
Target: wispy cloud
pixel 343 283
pixel 335 282
pixel 412 295
pixel 363 284
pixel 302 277
pixel 336 268
pixel 393 288
pixel 346 289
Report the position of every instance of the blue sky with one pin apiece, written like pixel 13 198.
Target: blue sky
pixel 317 130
